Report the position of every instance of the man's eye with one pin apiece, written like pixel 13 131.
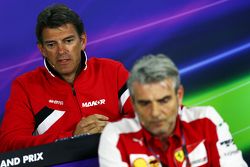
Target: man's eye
pixel 50 45
pixel 68 41
pixel 164 100
pixel 143 103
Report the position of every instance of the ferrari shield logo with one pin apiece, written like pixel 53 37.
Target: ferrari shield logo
pixel 179 156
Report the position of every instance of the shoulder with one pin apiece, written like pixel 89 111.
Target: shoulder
pixel 125 125
pixel 111 146
pixel 32 76
pixel 189 114
pixel 104 62
pixel 112 133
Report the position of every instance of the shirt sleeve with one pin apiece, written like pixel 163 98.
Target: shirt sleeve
pixel 18 124
pixel 123 94
pixel 108 153
pixel 229 154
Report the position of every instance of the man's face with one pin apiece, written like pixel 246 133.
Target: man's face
pixel 62 47
pixel 157 106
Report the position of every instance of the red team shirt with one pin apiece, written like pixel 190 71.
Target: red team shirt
pixel 42 107
pixel 200 134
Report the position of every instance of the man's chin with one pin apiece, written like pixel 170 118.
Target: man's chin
pixel 66 71
pixel 158 132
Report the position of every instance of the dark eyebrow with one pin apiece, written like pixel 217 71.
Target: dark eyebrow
pixel 50 41
pixel 143 101
pixel 71 36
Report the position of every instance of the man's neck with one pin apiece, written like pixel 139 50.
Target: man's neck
pixel 69 78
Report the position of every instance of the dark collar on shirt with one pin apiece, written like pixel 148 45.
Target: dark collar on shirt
pixel 54 73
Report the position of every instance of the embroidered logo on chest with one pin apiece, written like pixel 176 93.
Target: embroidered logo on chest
pixel 140 141
pixel 93 103
pixel 59 102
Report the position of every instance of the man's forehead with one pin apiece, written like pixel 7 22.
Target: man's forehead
pixel 166 83
pixel 57 33
pixel 153 91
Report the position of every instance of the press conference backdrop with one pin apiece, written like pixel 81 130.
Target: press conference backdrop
pixel 209 41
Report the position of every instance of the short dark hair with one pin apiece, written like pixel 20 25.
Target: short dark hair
pixel 55 16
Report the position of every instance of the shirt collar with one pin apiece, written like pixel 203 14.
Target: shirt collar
pixel 54 73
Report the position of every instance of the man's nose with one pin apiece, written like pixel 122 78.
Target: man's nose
pixel 155 110
pixel 61 48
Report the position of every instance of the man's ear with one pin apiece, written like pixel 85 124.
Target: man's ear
pixel 180 94
pixel 83 39
pixel 41 49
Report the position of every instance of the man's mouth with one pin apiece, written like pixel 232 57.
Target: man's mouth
pixel 156 123
pixel 63 61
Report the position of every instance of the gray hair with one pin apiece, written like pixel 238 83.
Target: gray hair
pixel 153 68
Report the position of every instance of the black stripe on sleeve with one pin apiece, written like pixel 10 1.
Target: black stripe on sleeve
pixel 42 115
pixel 122 90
